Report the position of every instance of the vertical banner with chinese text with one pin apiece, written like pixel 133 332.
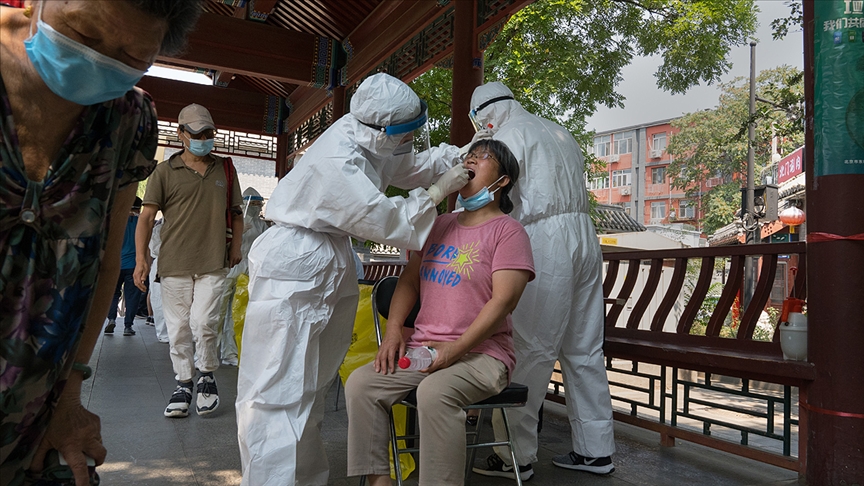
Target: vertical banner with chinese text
pixel 839 87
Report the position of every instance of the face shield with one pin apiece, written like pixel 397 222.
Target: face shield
pixel 413 135
pixel 255 202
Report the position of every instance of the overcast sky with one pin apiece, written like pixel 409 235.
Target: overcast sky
pixel 646 103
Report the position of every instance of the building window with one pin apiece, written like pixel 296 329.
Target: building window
pixel 620 178
pixel 687 210
pixel 623 146
pixel 598 183
pixel 602 145
pixel 659 142
pixel 658 175
pixel 658 210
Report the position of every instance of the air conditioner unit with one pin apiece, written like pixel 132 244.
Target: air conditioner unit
pixel 614 158
pixel 656 154
pixel 625 190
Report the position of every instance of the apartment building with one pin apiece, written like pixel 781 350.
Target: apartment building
pixel 637 178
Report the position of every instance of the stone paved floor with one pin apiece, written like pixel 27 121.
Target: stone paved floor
pixel 133 381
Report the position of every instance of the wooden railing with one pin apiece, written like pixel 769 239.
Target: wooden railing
pixel 660 346
pixel 373 272
pixel 642 335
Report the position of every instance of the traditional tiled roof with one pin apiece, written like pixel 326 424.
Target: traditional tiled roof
pixel 791 191
pixel 613 219
pixel 727 235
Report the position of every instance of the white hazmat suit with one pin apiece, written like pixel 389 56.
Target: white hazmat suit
pixel 303 288
pixel 156 287
pixel 253 227
pixel 561 313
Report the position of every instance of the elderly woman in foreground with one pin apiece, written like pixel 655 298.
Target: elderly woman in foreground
pixel 75 139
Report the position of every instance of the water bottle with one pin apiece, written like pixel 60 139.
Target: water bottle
pixel 418 358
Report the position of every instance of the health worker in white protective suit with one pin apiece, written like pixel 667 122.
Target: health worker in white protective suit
pixel 253 227
pixel 561 313
pixel 303 287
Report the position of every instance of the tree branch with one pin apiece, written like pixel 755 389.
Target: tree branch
pixel 635 3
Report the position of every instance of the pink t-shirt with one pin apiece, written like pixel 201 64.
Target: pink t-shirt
pixel 456 269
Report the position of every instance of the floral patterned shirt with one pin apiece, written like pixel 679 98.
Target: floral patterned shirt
pixel 52 239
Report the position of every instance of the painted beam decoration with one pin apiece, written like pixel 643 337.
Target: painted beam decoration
pixel 328 64
pixel 839 88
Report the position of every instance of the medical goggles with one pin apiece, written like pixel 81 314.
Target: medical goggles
pixel 473 113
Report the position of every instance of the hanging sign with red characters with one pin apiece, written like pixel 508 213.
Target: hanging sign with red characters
pixel 791 165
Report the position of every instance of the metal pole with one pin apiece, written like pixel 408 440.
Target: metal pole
pixel 748 213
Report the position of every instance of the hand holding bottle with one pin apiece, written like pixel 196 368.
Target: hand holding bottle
pixel 418 358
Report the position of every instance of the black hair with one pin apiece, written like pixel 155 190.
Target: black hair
pixel 507 165
pixel 181 16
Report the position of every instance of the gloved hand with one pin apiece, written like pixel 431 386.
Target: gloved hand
pixel 482 134
pixel 451 181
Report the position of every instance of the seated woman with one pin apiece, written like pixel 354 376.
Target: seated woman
pixel 469 275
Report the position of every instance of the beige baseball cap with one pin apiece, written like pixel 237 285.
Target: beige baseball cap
pixel 196 118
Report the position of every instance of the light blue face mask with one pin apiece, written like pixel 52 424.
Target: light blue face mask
pixel 201 147
pixel 74 71
pixel 482 198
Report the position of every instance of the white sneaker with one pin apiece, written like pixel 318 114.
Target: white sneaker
pixel 178 405
pixel 208 397
pixel 596 465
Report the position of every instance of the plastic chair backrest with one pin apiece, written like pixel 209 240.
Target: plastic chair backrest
pixel 382 294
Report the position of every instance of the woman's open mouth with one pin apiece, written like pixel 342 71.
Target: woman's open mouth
pixel 470 174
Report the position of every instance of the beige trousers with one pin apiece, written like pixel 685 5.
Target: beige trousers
pixel 440 398
pixel 191 307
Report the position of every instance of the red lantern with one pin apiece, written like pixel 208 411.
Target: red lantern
pixel 792 216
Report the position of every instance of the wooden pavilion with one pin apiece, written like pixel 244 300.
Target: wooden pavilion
pixel 287 68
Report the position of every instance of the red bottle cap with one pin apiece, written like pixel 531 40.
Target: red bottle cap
pixel 404 362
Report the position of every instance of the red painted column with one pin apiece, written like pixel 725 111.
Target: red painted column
pixel 281 155
pixel 466 75
pixel 832 407
pixel 338 102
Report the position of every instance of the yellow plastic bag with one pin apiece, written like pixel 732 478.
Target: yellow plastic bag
pixel 238 309
pixel 363 349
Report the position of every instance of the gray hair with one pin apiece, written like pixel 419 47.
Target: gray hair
pixel 181 16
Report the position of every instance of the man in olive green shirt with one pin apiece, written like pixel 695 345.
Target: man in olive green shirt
pixel 192 191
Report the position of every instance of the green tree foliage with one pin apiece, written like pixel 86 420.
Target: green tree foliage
pixel 712 144
pixel 563 58
pixel 795 20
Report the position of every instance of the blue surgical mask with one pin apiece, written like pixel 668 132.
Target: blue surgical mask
pixel 201 147
pixel 74 71
pixel 482 198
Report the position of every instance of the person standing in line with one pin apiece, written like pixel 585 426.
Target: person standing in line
pixel 131 294
pixel 198 194
pixel 253 226
pixel 303 289
pixel 155 286
pixel 561 314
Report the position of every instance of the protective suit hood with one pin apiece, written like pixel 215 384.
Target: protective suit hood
pixel 382 101
pixel 250 211
pixel 493 104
